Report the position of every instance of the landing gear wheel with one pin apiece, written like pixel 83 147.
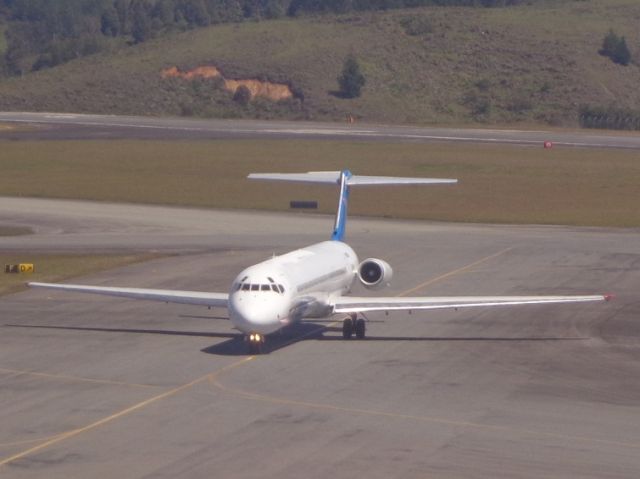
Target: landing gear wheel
pixel 347 328
pixel 360 328
pixel 255 342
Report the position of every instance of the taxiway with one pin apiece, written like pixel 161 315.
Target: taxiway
pixel 100 387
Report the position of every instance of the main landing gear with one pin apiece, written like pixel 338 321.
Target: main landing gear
pixel 352 325
pixel 255 342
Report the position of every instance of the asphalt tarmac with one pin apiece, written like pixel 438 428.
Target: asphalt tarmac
pixel 52 126
pixel 100 387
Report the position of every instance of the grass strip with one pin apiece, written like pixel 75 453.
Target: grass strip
pixel 15 230
pixel 54 268
pixel 498 183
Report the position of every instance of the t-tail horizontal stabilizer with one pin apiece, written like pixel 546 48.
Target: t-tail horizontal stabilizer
pixel 333 177
pixel 345 179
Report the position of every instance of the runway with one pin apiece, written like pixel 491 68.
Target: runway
pixel 50 126
pixel 99 387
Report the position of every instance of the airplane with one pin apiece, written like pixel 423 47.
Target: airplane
pixel 313 282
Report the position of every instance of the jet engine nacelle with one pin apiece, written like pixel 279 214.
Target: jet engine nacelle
pixel 374 273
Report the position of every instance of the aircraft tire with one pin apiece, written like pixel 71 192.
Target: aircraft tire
pixel 360 328
pixel 347 328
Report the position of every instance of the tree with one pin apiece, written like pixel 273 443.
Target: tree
pixel 124 19
pixel 615 47
pixel 351 80
pixel 222 11
pixel 18 49
pixel 621 54
pixel 242 95
pixel 609 43
pixel 164 11
pixel 109 22
pixel 195 13
pixel 141 29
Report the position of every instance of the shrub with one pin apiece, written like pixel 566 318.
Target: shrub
pixel 610 118
pixel 615 48
pixel 242 95
pixel 351 80
pixel 416 25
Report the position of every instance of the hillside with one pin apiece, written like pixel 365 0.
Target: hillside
pixel 534 64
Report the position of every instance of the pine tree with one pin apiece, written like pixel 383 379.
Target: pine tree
pixel 609 44
pixel 615 47
pixel 242 95
pixel 621 54
pixel 351 80
pixel 141 29
pixel 109 22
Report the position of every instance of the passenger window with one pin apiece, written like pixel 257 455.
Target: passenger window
pixel 255 287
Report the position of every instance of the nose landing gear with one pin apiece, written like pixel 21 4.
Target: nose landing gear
pixel 255 341
pixel 352 325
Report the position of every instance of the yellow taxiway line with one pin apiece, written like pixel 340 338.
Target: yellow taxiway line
pixel 124 412
pixel 211 377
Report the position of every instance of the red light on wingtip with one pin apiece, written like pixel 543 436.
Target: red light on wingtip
pixel 609 297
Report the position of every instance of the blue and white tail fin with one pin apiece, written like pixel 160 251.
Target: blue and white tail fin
pixel 340 224
pixel 345 180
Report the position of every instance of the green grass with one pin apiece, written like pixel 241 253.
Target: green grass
pixel 53 268
pixel 501 184
pixel 3 40
pixel 14 230
pixel 536 64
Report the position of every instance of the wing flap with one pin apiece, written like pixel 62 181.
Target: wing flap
pixel 200 298
pixel 360 304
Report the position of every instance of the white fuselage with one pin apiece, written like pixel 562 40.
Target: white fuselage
pixel 284 289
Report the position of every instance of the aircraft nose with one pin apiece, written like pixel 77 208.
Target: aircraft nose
pixel 255 314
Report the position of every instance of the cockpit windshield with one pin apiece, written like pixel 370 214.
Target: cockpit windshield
pixel 245 285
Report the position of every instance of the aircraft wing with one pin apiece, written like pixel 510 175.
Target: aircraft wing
pixel 166 295
pixel 350 304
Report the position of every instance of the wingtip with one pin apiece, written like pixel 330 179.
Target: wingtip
pixel 609 296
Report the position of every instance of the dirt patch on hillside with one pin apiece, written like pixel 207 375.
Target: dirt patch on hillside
pixel 274 91
pixel 266 89
pixel 198 72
